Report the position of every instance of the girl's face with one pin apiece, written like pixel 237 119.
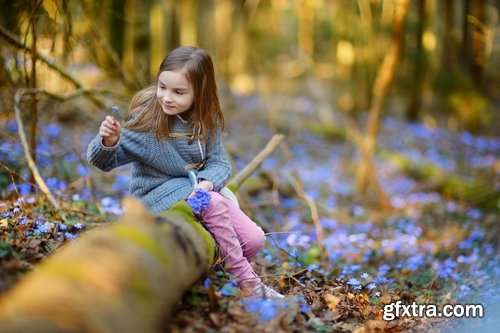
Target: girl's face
pixel 175 94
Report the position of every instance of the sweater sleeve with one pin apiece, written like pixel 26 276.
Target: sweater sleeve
pixel 217 168
pixel 130 147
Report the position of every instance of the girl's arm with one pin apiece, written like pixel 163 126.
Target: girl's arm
pixel 130 147
pixel 217 169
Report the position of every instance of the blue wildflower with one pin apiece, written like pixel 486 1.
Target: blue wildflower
pixel 229 289
pixel 350 269
pixel 194 204
pixel 82 170
pixel 24 188
pixel 415 262
pixel 112 206
pixel 445 268
pixel 199 201
pixel 53 130
pixel 69 236
pixel 365 276
pixel 381 280
pixel 383 269
pixel 56 184
pixel 115 109
pixel 264 308
pixel 358 211
pixel 42 228
pixel 121 183
pixel 371 286
pixel 313 267
pixel 355 283
pixel 78 225
pixel 304 307
pixel 464 290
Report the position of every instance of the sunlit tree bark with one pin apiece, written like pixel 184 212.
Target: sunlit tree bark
pixel 465 47
pixel 136 39
pixel 206 25
pixel 305 34
pixel 366 177
pixel 157 28
pixel 188 23
pixel 223 11
pixel 33 84
pixel 448 56
pixel 479 37
pixel 240 77
pixel 420 68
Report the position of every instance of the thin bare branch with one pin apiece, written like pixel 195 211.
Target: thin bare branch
pixel 24 142
pixel 131 82
pixel 312 206
pixel 13 40
pixel 254 164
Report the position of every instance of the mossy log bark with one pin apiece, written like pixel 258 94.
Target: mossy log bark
pixel 127 277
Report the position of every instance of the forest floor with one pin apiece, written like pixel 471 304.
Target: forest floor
pixel 439 245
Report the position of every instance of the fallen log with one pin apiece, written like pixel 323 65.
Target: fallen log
pixel 124 278
pixel 127 277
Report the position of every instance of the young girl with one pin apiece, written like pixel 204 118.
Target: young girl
pixel 173 140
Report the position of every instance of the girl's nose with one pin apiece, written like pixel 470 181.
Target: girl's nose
pixel 167 97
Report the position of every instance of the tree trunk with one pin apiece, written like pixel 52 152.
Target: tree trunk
pixel 137 39
pixel 305 33
pixel 116 26
pixel 33 84
pixel 479 37
pixel 465 47
pixel 223 28
pixel 448 57
pixel 366 175
pixel 158 27
pixel 122 278
pixel 413 113
pixel 188 23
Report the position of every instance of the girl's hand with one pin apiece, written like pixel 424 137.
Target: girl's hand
pixel 110 131
pixel 205 185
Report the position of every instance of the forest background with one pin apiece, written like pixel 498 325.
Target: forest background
pixel 387 180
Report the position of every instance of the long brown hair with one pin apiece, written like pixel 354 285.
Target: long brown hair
pixel 205 114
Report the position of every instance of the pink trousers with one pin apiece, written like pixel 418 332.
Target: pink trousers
pixel 237 236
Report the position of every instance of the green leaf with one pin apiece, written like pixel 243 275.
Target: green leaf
pixel 6 249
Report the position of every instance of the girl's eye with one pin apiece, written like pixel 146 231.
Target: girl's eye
pixel 179 92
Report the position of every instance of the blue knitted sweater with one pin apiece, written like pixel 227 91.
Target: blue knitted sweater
pixel 159 168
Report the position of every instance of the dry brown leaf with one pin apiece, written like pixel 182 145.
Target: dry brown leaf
pixel 371 326
pixel 332 301
pixel 385 298
pixel 215 319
